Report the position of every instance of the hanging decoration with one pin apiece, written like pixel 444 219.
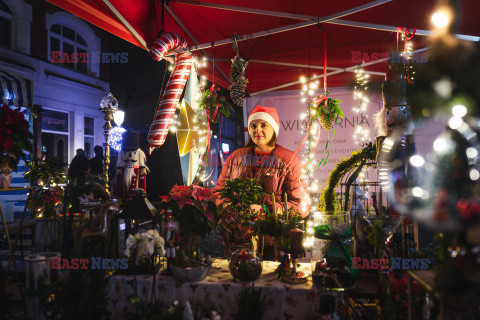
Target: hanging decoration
pixel 214 104
pixel 237 75
pixel 326 110
pixel 403 64
pixel 164 45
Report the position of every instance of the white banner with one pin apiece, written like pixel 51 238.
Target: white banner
pixel 289 107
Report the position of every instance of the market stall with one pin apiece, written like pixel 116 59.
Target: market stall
pixel 337 171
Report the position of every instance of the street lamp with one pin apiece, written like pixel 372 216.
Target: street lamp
pixel 108 106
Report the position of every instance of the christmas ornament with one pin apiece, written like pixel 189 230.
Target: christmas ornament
pixel 214 104
pixel 164 45
pixel 239 81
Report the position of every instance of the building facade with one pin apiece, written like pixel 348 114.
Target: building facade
pixel 61 55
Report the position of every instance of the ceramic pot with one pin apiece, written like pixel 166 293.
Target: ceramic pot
pixel 191 274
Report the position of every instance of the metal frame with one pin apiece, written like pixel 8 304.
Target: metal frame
pixel 349 69
pixel 357 24
pixel 310 22
pixel 288 64
pixel 185 29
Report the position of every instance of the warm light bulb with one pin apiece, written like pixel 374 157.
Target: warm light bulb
pixel 440 19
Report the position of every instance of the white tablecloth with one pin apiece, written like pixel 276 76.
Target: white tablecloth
pixel 284 301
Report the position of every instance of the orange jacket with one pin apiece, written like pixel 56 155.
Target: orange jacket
pixel 279 173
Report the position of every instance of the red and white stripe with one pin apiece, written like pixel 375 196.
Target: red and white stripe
pixel 164 45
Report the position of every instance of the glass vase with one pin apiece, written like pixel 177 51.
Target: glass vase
pixel 331 259
pixel 245 265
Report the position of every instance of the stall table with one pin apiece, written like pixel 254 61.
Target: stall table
pixel 284 301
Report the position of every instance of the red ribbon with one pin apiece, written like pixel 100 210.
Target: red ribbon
pixel 407 33
pixel 324 59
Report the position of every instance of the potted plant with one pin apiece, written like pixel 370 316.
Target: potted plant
pixel 192 207
pixel 15 139
pixel 238 220
pixel 326 110
pixel 47 179
pixel 144 250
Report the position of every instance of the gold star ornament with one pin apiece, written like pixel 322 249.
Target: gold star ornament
pixel 187 131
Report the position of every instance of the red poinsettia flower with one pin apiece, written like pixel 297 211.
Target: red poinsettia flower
pixel 164 198
pixel 16 117
pixel 201 194
pixel 6 143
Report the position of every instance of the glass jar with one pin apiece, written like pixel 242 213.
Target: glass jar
pixel 245 265
pixel 331 258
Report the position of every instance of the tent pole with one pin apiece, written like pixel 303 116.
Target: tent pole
pixel 349 69
pixel 126 24
pixel 306 17
pixel 289 27
pixel 191 36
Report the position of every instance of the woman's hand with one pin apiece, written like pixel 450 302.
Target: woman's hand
pixel 256 207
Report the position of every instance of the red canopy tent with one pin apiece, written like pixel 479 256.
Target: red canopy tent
pixel 290 36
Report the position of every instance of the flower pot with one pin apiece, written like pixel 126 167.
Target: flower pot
pixel 245 265
pixel 191 274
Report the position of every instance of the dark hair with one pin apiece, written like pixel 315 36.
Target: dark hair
pixel 271 143
pixel 98 150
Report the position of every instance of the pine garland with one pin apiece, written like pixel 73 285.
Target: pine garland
pixel 327 199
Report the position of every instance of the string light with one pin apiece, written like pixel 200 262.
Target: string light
pixel 311 129
pixel 115 139
pixel 361 134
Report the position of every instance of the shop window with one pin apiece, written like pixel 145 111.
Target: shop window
pixel 68 47
pixel 5 25
pixel 55 134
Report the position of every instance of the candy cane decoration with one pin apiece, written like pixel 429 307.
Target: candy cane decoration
pixel 165 44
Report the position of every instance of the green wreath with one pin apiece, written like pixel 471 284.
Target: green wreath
pixel 328 202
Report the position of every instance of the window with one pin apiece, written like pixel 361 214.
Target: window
pixel 5 25
pixel 88 133
pixel 70 47
pixel 55 134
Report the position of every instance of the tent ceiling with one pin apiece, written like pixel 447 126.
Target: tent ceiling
pixel 302 46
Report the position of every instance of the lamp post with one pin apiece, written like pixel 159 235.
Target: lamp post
pixel 108 106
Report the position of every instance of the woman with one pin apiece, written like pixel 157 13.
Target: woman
pixel 278 169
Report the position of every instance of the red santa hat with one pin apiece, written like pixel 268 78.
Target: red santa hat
pixel 266 114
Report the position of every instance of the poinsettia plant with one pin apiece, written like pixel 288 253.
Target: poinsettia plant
pixel 326 110
pixel 214 103
pixel 193 207
pixel 15 135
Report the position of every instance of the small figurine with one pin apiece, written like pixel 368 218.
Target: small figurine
pixel 131 166
pixel 172 237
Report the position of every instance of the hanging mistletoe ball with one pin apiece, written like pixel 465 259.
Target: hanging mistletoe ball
pixel 326 110
pixel 214 104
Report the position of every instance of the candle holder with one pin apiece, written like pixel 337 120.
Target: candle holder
pixel 108 106
pixel 291 274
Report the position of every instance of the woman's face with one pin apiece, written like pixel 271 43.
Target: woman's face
pixel 260 132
